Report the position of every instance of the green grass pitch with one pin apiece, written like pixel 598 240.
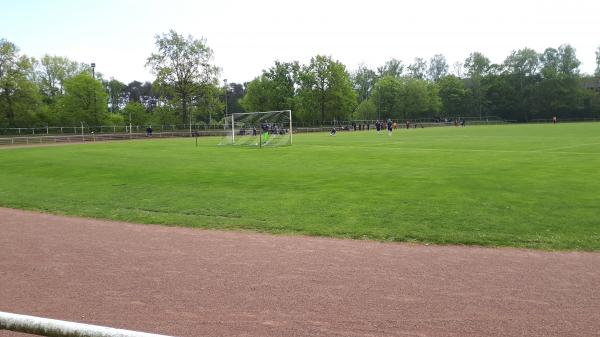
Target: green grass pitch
pixel 534 186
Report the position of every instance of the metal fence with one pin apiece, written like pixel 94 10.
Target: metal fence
pixel 55 328
pixel 116 129
pixel 100 129
pixel 56 135
pixel 93 137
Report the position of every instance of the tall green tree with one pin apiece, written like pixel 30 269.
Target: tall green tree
pixel 388 97
pixel 363 80
pixel 52 73
pixel 478 67
pixel 453 95
pixel 116 91
pixel 259 95
pixel 85 100
pixel 560 92
pixel 183 64
pixel 325 87
pixel 597 72
pixel 19 99
pixel 393 68
pixel 274 89
pixel 418 69
pixel 520 73
pixel 438 67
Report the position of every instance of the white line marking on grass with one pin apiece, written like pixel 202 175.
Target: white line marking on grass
pixel 416 149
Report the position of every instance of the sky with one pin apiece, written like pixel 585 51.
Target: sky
pixel 249 36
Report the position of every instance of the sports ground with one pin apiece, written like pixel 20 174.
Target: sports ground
pixel 533 186
pixel 529 192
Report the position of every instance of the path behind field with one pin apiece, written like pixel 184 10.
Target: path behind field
pixel 190 282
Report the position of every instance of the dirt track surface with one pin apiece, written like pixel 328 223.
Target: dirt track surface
pixel 190 282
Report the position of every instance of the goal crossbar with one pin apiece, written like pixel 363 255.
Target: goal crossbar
pixel 259 112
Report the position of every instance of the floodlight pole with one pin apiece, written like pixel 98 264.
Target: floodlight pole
pixel 94 77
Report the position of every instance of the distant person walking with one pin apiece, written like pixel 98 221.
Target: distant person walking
pixel 553 119
pixel 378 127
pixel 389 126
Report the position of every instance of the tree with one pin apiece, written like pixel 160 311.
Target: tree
pixel 236 92
pixel 363 81
pixel 438 67
pixel 283 76
pixel 568 62
pixel 418 69
pixel 183 64
pixel 520 72
pixel 477 66
pixel 19 99
pixel 453 95
pixel 274 89
pixel 387 97
pixel 393 68
pixel 116 91
pixel 52 73
pixel 549 60
pixel 258 95
pixel 560 92
pixel 325 87
pixel 85 100
pixel 597 73
pixel 135 113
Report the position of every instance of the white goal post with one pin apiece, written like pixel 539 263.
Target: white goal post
pixel 262 128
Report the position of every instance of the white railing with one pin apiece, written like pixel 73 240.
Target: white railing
pixel 56 328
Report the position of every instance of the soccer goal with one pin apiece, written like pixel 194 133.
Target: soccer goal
pixel 270 128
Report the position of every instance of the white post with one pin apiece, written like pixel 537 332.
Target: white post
pixel 52 327
pixel 232 130
pixel 290 111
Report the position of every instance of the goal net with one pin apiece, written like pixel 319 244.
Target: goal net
pixel 271 128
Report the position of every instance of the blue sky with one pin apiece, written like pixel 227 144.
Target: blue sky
pixel 248 36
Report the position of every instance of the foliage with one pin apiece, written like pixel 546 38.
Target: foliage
pixel 135 113
pixel 438 67
pixel 19 98
pixel 418 69
pixel 526 86
pixel 183 64
pixel 52 73
pixel 363 80
pixel 453 94
pixel 85 100
pixel 116 91
pixel 393 68
pixel 325 90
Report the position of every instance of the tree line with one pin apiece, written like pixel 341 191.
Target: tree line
pixel 527 85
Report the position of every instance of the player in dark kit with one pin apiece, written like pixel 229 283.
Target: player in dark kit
pixel 389 127
pixel 378 126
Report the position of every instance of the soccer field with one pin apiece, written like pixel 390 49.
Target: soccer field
pixel 534 186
